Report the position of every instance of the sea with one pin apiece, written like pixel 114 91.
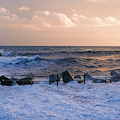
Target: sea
pixel 47 60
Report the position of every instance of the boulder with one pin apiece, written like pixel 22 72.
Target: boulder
pixel 80 81
pixel 67 77
pixel 115 78
pixel 78 78
pixel 97 80
pixel 27 80
pixel 88 77
pixel 114 72
pixel 6 81
pixel 52 78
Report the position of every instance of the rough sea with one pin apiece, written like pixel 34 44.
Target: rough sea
pixel 46 60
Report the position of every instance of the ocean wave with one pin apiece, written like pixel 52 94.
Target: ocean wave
pixel 3 53
pixel 88 50
pixel 66 60
pixel 27 59
pixel 46 53
pixel 21 60
pixel 6 53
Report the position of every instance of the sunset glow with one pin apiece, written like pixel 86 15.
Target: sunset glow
pixel 60 23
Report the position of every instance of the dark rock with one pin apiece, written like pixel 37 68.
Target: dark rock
pixel 6 81
pixel 27 80
pixel 77 76
pixel 115 78
pixel 67 77
pixel 52 78
pixel 95 80
pixel 80 81
pixel 88 77
pixel 114 72
pixel 0 54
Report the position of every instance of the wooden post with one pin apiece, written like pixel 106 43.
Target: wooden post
pixel 110 81
pixel 57 79
pixel 84 78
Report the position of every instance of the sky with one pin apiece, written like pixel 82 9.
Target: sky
pixel 59 22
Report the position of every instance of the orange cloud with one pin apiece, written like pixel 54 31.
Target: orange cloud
pixel 40 20
pixel 95 21
pixel 4 11
pixel 48 19
pixel 23 8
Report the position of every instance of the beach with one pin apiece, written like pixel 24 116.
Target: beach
pixel 71 101
pixel 90 101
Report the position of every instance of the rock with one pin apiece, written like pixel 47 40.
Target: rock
pixel 114 72
pixel 77 76
pixel 115 78
pixel 97 80
pixel 0 54
pixel 80 81
pixel 52 78
pixel 6 81
pixel 27 80
pixel 88 77
pixel 67 77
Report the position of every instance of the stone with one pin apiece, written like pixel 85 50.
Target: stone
pixel 115 78
pixel 88 77
pixel 80 81
pixel 77 76
pixel 67 77
pixel 25 81
pixel 97 80
pixel 52 78
pixel 114 72
pixel 6 81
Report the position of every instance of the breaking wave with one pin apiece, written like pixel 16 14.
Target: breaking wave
pixel 60 52
pixel 21 60
pixel 3 53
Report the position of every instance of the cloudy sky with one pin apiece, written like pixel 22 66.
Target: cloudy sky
pixel 60 22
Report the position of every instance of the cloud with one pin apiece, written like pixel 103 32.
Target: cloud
pixel 95 21
pixel 74 10
pixel 112 21
pixel 12 21
pixel 4 11
pixel 39 21
pixel 83 20
pixel 23 8
pixel 54 19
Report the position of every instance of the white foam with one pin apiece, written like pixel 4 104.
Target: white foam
pixel 67 102
pixel 3 53
pixel 17 59
pixel 88 50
